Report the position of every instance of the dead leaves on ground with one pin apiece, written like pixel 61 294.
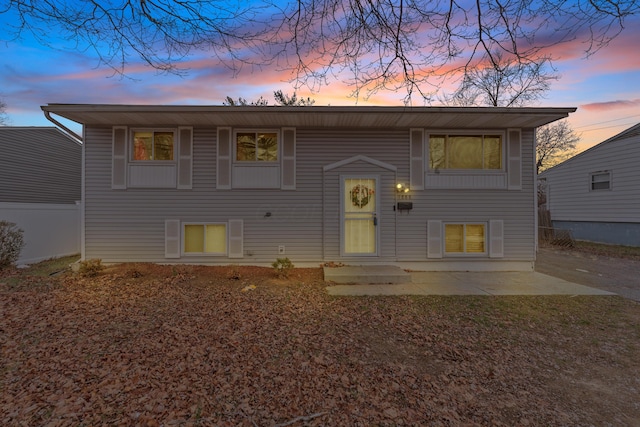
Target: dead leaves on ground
pixel 161 345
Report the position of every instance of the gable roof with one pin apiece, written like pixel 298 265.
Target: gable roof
pixel 18 134
pixel 627 133
pixel 325 116
pixel 632 131
pixel 39 165
pixel 360 158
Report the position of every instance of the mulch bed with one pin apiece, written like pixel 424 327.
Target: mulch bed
pixel 160 345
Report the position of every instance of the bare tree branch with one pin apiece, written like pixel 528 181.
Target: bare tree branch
pixel 555 143
pixel 281 98
pixel 410 45
pixel 4 118
pixel 503 82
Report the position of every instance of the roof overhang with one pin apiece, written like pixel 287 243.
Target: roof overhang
pixel 309 117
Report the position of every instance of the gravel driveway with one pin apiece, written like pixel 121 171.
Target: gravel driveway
pixel 618 275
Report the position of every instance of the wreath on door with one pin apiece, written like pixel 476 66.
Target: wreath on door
pixel 360 195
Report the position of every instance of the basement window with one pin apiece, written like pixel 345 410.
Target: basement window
pixel 463 239
pixel 205 239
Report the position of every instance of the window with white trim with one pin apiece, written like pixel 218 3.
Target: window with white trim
pixel 465 238
pixel 600 181
pixel 153 145
pixel 204 238
pixel 256 159
pixel 152 158
pixel 257 146
pixel 477 152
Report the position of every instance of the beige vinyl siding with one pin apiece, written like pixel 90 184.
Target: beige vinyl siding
pixel 569 195
pixel 514 207
pixel 122 225
pixel 385 214
pixel 39 165
pixel 322 147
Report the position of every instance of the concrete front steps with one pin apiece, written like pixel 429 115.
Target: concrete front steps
pixel 366 274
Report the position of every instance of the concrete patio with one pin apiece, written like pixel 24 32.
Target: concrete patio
pixel 392 280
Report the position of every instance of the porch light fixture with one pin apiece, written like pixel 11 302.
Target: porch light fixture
pixel 401 188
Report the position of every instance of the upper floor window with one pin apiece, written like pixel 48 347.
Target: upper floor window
pixel 601 180
pixel 256 146
pixel 153 145
pixel 466 152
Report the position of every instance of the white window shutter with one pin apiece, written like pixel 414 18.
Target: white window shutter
pixel 236 238
pixel 224 152
pixel 119 158
pixel 288 168
pixel 496 238
pixel 434 239
pixel 172 238
pixel 185 158
pixel 416 166
pixel 514 164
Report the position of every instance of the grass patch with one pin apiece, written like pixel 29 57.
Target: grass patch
pixel 36 276
pixel 50 267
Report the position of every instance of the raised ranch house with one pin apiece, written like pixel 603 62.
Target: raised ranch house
pixel 596 194
pixel 434 188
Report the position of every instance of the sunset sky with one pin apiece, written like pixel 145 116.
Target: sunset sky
pixel 605 87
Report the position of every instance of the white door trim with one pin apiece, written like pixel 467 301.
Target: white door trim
pixel 375 214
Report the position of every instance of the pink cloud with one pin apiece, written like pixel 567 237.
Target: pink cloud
pixel 209 80
pixel 611 105
pixel 613 57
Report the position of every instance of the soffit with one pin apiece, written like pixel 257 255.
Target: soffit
pixel 308 117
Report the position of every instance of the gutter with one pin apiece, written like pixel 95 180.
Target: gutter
pixel 65 129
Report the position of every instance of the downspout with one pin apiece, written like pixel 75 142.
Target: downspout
pixel 536 208
pixel 63 127
pixel 79 139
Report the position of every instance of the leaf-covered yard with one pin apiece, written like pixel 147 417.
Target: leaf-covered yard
pixel 162 345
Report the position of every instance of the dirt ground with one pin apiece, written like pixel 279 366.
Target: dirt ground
pixel 226 346
pixel 602 271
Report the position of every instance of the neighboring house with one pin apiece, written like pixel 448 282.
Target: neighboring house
pixel 596 194
pixel 436 188
pixel 40 189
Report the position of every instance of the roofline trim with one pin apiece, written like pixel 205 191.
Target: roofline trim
pixel 52 108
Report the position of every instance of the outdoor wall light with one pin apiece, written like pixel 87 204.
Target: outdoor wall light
pixel 401 188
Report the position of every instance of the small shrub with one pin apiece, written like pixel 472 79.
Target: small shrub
pixel 234 274
pixel 11 243
pixel 134 273
pixel 90 267
pixel 282 266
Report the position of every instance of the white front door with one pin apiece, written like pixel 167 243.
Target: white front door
pixel 359 216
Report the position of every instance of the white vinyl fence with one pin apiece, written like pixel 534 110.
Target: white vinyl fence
pixel 50 230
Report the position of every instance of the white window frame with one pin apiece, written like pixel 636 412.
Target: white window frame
pixel 592 175
pixel 453 132
pixel 464 254
pixel 131 146
pixel 204 224
pixel 257 162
